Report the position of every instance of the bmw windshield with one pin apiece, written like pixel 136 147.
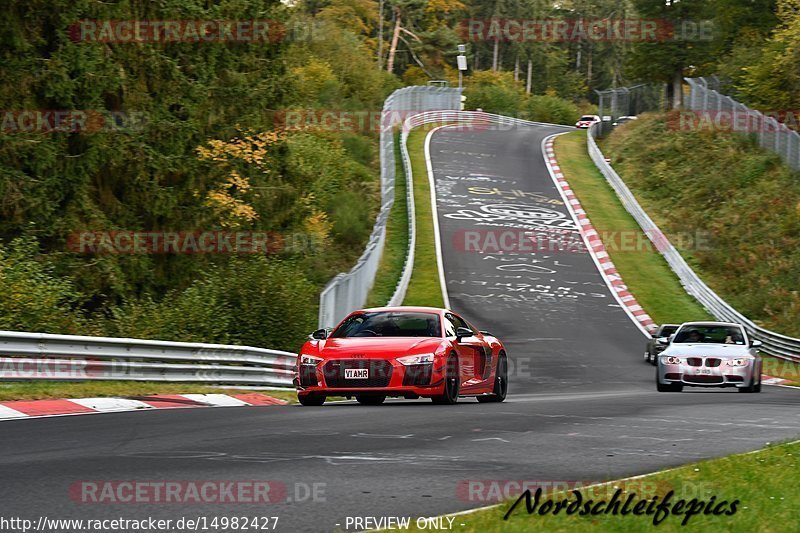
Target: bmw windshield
pixel 710 334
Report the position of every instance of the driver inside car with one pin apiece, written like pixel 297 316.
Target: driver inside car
pixel 695 336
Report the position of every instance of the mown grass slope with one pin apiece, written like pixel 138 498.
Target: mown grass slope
pixel 740 201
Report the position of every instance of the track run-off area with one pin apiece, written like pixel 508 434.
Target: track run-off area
pixel 582 404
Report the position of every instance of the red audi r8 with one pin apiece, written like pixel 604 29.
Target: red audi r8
pixel 409 352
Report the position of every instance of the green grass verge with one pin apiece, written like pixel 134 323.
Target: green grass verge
pixel 424 289
pixel 40 390
pixel 396 245
pixel 646 273
pixel 764 483
pixel 782 369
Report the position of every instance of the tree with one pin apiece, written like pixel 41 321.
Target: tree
pixel 666 60
pixel 773 81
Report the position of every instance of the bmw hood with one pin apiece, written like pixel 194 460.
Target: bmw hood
pixel 707 350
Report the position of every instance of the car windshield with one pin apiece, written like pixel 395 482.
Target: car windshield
pixel 390 324
pixel 710 334
pixel 666 331
pixel 586 117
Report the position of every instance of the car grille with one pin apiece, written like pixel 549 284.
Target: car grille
pixel 711 362
pixel 380 373
pixel 703 379
pixel 308 376
pixel 417 375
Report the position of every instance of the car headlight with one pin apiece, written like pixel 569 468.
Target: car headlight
pixel 739 361
pixel 421 359
pixel 672 360
pixel 310 360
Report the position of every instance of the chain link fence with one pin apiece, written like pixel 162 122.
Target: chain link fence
pixel 349 291
pixel 720 111
pixel 629 102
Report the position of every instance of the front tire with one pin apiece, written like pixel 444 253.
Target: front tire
pixel 311 400
pixel 500 383
pixel 452 383
pixel 370 399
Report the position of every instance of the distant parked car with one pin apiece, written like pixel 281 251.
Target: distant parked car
pixel 654 347
pixel 586 121
pixel 623 120
pixel 709 354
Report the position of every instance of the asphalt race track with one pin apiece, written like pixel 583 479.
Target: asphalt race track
pixel 582 403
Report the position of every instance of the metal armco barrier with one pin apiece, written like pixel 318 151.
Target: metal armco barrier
pixel 37 356
pixel 349 291
pixel 774 343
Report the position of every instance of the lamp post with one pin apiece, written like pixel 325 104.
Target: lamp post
pixel 462 63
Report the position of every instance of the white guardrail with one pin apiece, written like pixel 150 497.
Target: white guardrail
pixel 27 356
pixel 775 344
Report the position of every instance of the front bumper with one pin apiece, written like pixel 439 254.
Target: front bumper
pixel 705 376
pixel 384 376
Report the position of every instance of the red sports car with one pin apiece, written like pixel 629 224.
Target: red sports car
pixel 408 352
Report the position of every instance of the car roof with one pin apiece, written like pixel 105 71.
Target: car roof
pixel 409 308
pixel 710 323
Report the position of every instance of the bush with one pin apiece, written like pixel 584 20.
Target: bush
pixel 352 224
pixel 494 92
pixel 252 301
pixel 33 298
pixel 543 108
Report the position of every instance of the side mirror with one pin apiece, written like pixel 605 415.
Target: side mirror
pixel 756 343
pixel 463 332
pixel 663 340
pixel 320 334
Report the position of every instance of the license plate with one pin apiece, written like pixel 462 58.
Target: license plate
pixel 703 371
pixel 356 373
